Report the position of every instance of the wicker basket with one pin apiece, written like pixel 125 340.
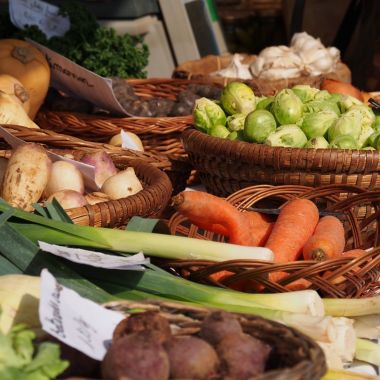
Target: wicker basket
pixel 149 202
pixel 294 356
pixel 202 68
pixel 177 169
pixel 358 277
pixel 226 166
pixel 159 135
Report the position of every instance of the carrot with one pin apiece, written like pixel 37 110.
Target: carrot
pixel 327 240
pixel 216 214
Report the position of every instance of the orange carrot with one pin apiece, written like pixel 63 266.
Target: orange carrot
pixel 327 240
pixel 216 214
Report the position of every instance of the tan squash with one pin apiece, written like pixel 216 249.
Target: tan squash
pixel 26 63
pixel 15 89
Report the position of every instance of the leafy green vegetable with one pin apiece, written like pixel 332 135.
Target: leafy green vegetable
pixel 19 361
pixel 92 46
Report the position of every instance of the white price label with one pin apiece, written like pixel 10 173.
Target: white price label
pixel 35 12
pixel 127 142
pixel 96 259
pixel 74 320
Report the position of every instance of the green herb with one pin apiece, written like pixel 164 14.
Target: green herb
pixel 92 46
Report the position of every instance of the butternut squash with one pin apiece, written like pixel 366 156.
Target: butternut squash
pixel 26 63
pixel 15 89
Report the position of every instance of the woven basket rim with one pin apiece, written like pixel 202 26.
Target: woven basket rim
pixel 311 368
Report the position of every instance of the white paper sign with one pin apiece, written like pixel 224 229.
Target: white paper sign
pixel 75 320
pixel 88 171
pixel 96 259
pixel 127 142
pixel 77 81
pixel 40 13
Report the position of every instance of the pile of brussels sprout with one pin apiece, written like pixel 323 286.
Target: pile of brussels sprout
pixel 300 117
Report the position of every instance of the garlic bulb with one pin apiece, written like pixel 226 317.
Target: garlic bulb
pixel 303 41
pixel 236 69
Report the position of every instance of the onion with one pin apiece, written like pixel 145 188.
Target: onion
pixel 335 86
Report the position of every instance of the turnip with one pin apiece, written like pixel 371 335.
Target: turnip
pixel 64 176
pixel 68 198
pixel 122 185
pixel 26 176
pixel 104 166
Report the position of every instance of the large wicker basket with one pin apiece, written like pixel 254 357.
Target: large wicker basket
pixel 160 135
pixel 149 202
pixel 226 166
pixel 360 212
pixel 294 356
pixel 201 70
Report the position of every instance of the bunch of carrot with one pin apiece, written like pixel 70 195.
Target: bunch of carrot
pixel 298 231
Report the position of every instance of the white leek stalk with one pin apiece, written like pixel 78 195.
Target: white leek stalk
pixel 352 307
pixel 347 375
pixel 333 359
pixel 367 351
pixel 367 326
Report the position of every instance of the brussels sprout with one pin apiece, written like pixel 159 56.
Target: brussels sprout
pixel 373 139
pixel 343 142
pixel 369 148
pixel 345 125
pixel 364 113
pixel 237 97
pixel 364 136
pixel 321 105
pixel 305 92
pixel 334 97
pixel 265 104
pixel 207 114
pixel 318 142
pixel 317 124
pixel 347 101
pixel 287 136
pixel 236 122
pixel 219 131
pixel 322 95
pixel 258 126
pixel 287 107
pixel 377 120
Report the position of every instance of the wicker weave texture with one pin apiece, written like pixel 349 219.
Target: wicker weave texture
pixel 201 70
pixel 149 202
pixel 294 356
pixel 341 277
pixel 226 166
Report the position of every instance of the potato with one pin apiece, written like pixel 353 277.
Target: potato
pixel 242 356
pixel 96 197
pixel 26 176
pixel 137 356
pixel 68 198
pixel 64 176
pixel 122 184
pixel 104 166
pixel 191 358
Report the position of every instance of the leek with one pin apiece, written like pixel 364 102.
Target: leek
pixel 353 307
pixel 367 326
pixel 367 351
pixel 346 375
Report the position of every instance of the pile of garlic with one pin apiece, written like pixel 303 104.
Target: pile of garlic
pixel 305 56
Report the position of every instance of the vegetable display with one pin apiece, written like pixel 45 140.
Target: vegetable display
pixel 300 117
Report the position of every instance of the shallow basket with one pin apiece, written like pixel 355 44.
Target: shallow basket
pixel 160 135
pixel 294 356
pixel 360 213
pixel 149 202
pixel 226 166
pixel 201 69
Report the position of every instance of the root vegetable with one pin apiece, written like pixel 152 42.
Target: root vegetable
pixel 242 356
pixel 26 176
pixel 104 166
pixel 96 197
pixel 68 199
pixel 134 141
pixel 122 184
pixel 147 321
pixel 3 168
pixel 217 325
pixel 191 358
pixel 135 357
pixel 64 176
pixel 15 89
